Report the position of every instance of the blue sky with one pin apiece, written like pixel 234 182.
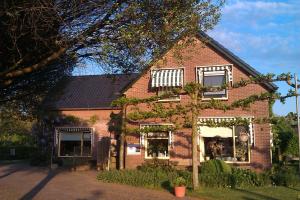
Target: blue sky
pixel 264 33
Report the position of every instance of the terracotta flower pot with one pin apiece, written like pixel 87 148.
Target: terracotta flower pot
pixel 179 191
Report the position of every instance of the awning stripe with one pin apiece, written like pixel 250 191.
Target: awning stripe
pixel 227 68
pixel 166 77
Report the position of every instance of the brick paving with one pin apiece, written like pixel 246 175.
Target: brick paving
pixel 20 181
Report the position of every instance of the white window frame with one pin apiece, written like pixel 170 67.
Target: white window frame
pixel 170 137
pixel 251 141
pixel 216 71
pixel 58 142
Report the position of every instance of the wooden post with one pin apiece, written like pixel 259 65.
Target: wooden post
pixel 298 120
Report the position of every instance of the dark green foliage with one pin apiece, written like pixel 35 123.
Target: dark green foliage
pixel 244 178
pixel 285 175
pixel 215 180
pixel 21 152
pixel 215 167
pixel 214 174
pixel 154 179
pixel 179 181
pixel 285 139
pixel 40 158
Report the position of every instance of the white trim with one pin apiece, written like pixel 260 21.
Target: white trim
pixel 144 139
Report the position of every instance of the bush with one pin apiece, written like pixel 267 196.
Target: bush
pixel 247 178
pixel 215 167
pixel 154 179
pixel 284 175
pixel 21 152
pixel 215 180
pixel 40 158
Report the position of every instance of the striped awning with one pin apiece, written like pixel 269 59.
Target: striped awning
pixel 167 77
pixel 226 68
pixel 202 120
pixel 73 129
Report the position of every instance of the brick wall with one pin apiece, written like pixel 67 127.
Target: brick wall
pixel 200 54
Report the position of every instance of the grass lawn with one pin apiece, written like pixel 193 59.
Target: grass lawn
pixel 259 193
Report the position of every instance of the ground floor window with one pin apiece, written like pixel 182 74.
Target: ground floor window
pixel 74 142
pixel 228 144
pixel 157 145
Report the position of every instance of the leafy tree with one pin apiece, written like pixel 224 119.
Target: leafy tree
pixel 284 136
pixel 15 128
pixel 192 110
pixel 40 40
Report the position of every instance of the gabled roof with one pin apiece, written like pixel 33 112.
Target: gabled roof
pixel 221 49
pixel 88 92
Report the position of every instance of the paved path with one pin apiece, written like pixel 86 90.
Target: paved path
pixel 20 181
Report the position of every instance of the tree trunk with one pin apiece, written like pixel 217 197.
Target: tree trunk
pixel 122 138
pixel 194 145
pixel 121 150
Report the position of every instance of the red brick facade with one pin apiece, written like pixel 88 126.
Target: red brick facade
pixel 193 56
pixel 204 55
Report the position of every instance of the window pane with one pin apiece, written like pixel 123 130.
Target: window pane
pixel 70 144
pixel 242 143
pixel 157 148
pixel 214 80
pixel 219 148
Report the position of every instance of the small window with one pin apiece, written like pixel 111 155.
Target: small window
pixel 214 80
pixel 161 91
pixel 157 145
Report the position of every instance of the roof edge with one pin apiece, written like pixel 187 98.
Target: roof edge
pixel 249 69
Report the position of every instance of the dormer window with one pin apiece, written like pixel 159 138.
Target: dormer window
pixel 214 78
pixel 165 81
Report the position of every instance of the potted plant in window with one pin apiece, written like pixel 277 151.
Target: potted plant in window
pixel 179 186
pixel 241 151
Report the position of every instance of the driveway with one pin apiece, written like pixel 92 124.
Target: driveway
pixel 20 181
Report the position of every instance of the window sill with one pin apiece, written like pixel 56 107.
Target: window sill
pixel 75 156
pixel 232 162
pixel 223 99
pixel 161 158
pixel 168 100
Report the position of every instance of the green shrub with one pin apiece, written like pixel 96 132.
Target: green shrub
pixel 39 158
pixel 21 152
pixel 179 181
pixel 214 174
pixel 246 178
pixel 215 167
pixel 215 180
pixel 285 176
pixel 154 179
pixel 154 165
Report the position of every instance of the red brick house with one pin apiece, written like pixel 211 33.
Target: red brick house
pixel 88 99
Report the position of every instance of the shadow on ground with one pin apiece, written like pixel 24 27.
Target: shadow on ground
pixel 34 191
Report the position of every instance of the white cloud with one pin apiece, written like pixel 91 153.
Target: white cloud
pixel 263 7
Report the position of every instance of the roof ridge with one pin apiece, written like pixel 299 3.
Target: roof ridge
pixel 97 75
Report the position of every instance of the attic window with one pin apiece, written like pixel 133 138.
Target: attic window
pixel 166 78
pixel 220 68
